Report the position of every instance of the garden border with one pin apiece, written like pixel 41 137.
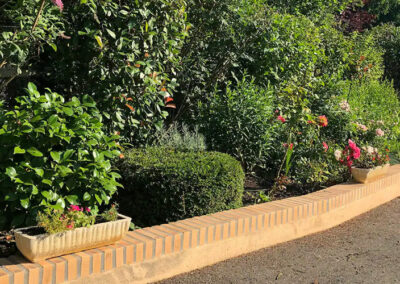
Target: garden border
pixel 160 252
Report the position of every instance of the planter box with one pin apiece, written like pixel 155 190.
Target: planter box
pixel 368 175
pixel 40 247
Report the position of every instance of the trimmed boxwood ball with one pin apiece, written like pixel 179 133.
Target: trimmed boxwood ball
pixel 164 185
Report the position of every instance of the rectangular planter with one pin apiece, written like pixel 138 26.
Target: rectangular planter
pixel 368 175
pixel 40 247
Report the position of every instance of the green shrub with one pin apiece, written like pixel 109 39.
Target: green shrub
pixel 388 38
pixel 125 54
pixel 54 153
pixel 163 185
pixel 239 122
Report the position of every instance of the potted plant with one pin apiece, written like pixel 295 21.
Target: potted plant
pixel 60 232
pixel 365 164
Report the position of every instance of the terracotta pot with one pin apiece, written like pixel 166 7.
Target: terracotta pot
pixel 368 175
pixel 40 247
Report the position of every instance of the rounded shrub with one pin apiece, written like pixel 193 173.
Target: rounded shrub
pixel 164 185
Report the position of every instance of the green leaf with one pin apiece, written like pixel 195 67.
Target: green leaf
pixel 56 156
pixel 11 172
pixel 39 172
pixel 25 203
pixel 34 190
pixel 46 195
pixel 35 152
pixel 67 154
pixel 99 41
pixel 18 150
pixel 72 199
pixel 31 87
pixel 61 203
pixel 53 46
pixel 47 181
pixel 68 111
pixel 53 120
pixel 86 196
pixel 111 33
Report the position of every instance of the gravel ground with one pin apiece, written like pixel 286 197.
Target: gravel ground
pixel 363 250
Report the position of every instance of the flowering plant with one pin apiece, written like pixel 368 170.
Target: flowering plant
pixel 57 221
pixel 366 157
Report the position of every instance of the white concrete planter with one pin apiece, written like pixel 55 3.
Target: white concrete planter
pixel 40 247
pixel 368 175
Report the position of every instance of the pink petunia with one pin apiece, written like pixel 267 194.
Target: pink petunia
pixel 59 4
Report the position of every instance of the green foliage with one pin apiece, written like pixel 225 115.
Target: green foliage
pixel 110 214
pixel 20 40
pixel 239 122
pixel 54 153
pixel 124 54
pixel 164 185
pixel 388 38
pixel 57 221
pixel 181 138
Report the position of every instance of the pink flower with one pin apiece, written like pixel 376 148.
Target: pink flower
pixel 323 120
pixel 70 226
pixel 326 147
pixel 356 153
pixel 59 4
pixel 379 132
pixel 281 118
pixel 87 209
pixel 352 145
pixel 75 208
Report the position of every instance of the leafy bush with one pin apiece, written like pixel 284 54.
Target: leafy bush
pixel 164 185
pixel 239 122
pixel 54 153
pixel 124 54
pixel 181 138
pixel 388 38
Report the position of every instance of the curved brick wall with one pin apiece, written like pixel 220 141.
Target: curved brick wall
pixel 159 252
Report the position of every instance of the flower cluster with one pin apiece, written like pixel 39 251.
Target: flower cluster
pixel 350 153
pixel 352 156
pixel 322 120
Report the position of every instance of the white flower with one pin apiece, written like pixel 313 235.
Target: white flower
pixel 344 105
pixel 338 155
pixel 370 150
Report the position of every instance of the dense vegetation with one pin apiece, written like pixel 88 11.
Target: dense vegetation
pixel 280 85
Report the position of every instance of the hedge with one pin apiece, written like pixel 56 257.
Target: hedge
pixel 164 185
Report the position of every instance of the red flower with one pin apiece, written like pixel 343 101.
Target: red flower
pixel 70 226
pixel 87 209
pixel 323 120
pixel 326 147
pixel 291 146
pixel 281 118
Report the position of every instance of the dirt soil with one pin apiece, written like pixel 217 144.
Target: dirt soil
pixel 363 250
